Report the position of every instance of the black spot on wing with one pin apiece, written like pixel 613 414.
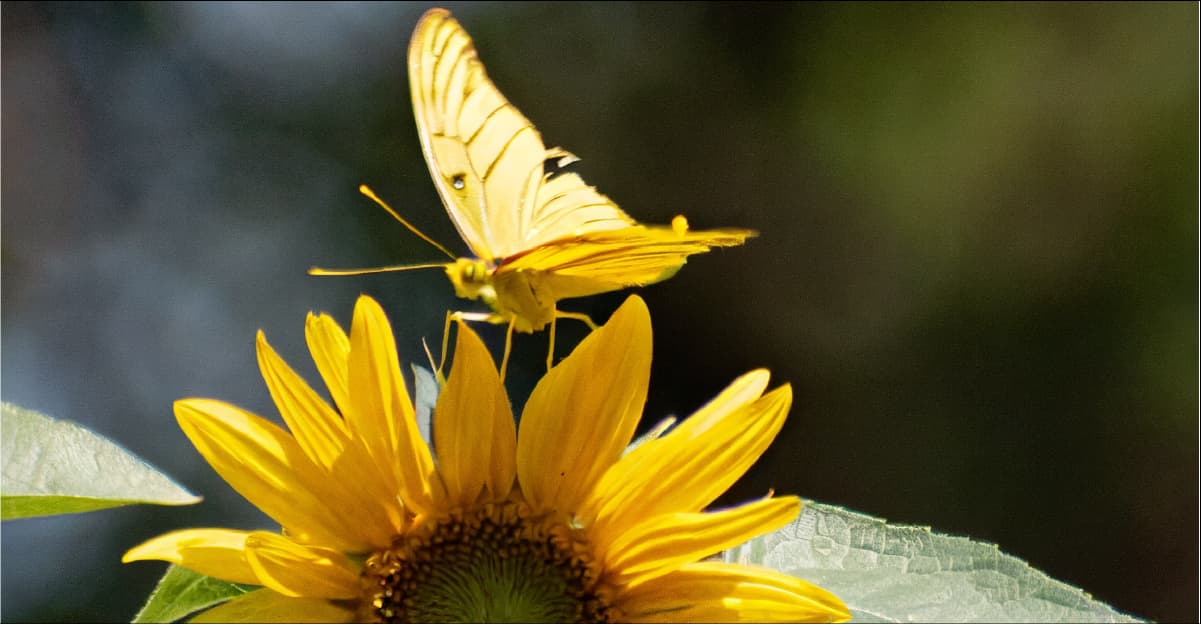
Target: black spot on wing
pixel 556 166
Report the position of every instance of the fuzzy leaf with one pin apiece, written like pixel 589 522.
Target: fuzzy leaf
pixel 902 573
pixel 425 396
pixel 659 430
pixel 52 467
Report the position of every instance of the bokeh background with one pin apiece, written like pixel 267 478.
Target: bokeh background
pixel 977 263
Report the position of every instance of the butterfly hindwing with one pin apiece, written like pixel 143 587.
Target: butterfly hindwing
pixel 609 260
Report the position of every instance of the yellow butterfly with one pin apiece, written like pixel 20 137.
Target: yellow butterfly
pixel 538 233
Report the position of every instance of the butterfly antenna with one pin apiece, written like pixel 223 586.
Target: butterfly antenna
pixel 364 189
pixel 387 269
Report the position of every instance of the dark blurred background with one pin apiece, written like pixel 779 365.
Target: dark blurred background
pixel 977 263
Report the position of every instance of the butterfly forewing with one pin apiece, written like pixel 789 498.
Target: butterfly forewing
pixel 438 52
pixel 486 159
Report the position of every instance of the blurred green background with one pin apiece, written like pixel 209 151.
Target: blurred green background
pixel 977 263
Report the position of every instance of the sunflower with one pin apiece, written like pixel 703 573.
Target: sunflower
pixel 555 522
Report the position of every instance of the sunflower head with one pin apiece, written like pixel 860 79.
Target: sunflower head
pixel 552 522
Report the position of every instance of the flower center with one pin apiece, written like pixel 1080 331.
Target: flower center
pixel 494 564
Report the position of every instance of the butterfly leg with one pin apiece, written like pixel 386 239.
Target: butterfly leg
pixel 550 351
pixel 465 317
pixel 504 362
pixel 446 339
pixel 579 316
pixel 437 368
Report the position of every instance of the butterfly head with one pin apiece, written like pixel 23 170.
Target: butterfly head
pixel 472 279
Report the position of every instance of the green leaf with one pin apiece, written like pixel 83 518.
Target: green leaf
pixel 901 573
pixel 55 467
pixel 182 592
pixel 264 605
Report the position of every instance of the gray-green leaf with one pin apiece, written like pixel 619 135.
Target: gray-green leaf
pixel 55 467
pixel 900 573
pixel 654 433
pixel 182 592
pixel 425 397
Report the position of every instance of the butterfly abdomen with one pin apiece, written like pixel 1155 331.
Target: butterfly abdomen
pixel 520 295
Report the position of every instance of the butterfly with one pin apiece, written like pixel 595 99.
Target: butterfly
pixel 538 233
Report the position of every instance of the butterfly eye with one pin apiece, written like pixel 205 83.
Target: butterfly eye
pixel 458 181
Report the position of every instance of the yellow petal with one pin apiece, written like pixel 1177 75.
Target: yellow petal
pixel 266 466
pixel 693 464
pixel 371 500
pixel 615 487
pixel 265 605
pixel 661 545
pixel 582 414
pixel 331 350
pixel 381 413
pixel 474 431
pixel 741 391
pixel 317 428
pixel 719 592
pixel 300 571
pixel 322 434
pixel 213 552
